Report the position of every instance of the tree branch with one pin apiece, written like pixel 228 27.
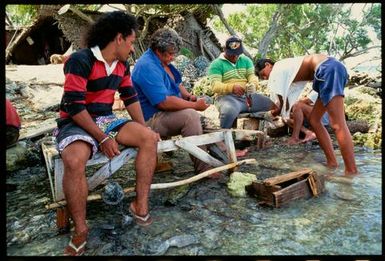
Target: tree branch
pixel 349 55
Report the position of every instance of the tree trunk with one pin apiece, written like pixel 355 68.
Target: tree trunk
pixel 271 32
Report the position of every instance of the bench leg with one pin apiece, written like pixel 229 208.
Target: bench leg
pixel 62 220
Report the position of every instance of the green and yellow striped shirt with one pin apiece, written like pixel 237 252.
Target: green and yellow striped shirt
pixel 224 74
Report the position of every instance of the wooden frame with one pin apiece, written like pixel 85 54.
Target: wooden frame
pixel 190 144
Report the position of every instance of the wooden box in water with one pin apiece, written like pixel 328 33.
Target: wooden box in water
pixel 281 190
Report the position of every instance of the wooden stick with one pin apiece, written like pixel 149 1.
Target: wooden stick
pixel 285 177
pixel 166 185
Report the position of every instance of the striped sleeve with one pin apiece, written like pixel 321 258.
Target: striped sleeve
pixel 215 77
pixel 76 71
pixel 126 90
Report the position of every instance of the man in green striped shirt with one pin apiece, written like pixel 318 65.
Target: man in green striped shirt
pixel 234 83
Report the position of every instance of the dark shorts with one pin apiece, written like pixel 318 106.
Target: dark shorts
pixel 330 79
pixel 71 132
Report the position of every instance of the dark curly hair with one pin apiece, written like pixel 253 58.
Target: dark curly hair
pixel 261 63
pixel 107 26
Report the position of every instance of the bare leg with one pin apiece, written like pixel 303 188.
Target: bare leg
pixel 75 186
pixel 336 112
pixel 136 135
pixel 322 134
pixel 296 122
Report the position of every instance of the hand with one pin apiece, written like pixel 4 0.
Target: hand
pixel 201 105
pixel 110 148
pixel 238 90
pixel 192 98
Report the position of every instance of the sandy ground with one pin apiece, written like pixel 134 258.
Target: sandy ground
pixel 45 88
pixel 51 73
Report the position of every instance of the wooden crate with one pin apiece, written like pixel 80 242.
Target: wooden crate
pixel 281 190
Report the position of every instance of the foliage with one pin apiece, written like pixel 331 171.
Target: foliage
pixel 21 15
pixel 186 52
pixel 306 28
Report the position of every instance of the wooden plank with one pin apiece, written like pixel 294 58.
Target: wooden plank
pixel 59 173
pixel 46 128
pixel 198 152
pixel 49 167
pixel 166 185
pixel 295 191
pixel 116 163
pixel 188 143
pixel 249 135
pixel 248 123
pixel 228 137
pixel 286 177
pixel 263 193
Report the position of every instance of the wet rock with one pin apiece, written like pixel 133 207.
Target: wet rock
pixel 238 181
pixel 176 241
pixel 17 156
pixel 177 193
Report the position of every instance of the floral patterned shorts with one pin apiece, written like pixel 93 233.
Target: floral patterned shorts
pixel 72 132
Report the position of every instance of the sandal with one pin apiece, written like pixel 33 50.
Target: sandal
pixel 141 221
pixel 76 239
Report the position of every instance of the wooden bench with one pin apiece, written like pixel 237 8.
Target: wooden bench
pixel 55 170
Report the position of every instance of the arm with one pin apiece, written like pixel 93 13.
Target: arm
pixel 136 113
pixel 173 103
pixel 215 76
pixel 185 94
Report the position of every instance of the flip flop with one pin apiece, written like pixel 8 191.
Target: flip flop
pixel 72 249
pixel 141 221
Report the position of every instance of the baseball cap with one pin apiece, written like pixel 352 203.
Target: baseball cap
pixel 234 45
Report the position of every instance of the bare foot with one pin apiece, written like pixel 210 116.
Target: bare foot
pixel 309 136
pixel 292 141
pixel 241 153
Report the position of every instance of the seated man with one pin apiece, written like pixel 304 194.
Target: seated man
pixel 300 117
pixel 288 77
pixel 168 108
pixel 13 124
pixel 87 124
pixel 234 83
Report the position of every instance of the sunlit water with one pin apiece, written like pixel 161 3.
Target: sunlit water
pixel 345 220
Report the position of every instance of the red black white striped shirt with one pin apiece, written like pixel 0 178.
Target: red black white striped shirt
pixel 88 87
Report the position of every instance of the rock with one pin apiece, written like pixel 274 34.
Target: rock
pixel 358 126
pixel 17 156
pixel 238 181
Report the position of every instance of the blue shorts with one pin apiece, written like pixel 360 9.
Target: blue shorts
pixel 330 79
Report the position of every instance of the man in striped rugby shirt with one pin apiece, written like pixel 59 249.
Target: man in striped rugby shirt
pixel 87 123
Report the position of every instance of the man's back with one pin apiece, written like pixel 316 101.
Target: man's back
pixel 308 66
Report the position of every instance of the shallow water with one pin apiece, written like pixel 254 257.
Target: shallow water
pixel 204 219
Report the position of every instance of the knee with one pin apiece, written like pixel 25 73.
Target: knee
pixel 314 122
pixel 228 111
pixel 149 138
pixel 191 115
pixel 336 127
pixel 73 163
